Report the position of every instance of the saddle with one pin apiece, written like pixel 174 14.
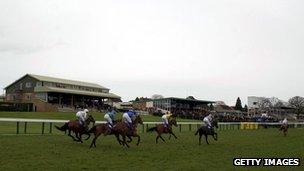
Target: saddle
pixel 167 128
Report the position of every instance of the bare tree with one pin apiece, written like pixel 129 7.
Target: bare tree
pixel 157 96
pixel 265 104
pixel 278 104
pixel 297 102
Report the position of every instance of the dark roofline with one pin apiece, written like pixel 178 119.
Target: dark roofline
pixel 33 76
pixel 177 98
pixel 17 81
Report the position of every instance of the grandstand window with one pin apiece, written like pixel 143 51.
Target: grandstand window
pixel 28 85
pixel 39 84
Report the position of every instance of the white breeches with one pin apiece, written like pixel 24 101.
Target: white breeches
pixel 81 119
pixel 126 118
pixel 108 119
pixel 165 120
pixel 207 122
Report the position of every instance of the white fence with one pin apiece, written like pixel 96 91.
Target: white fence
pixel 182 126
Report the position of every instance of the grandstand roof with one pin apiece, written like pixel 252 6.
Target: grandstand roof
pixel 72 91
pixel 60 80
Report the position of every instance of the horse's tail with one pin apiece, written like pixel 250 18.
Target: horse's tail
pixel 151 129
pixel 63 128
pixel 92 130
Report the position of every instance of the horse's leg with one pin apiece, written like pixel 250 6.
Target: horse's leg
pixel 171 133
pixel 156 140
pixel 138 138
pixel 130 138
pixel 119 141
pixel 94 140
pixel 80 139
pixel 89 135
pixel 215 136
pixel 77 136
pixel 162 138
pixel 124 140
pixel 70 135
pixel 207 138
pixel 200 139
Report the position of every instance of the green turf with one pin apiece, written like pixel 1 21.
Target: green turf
pixel 59 152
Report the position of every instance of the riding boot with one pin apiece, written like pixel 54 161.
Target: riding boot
pixel 131 129
pixel 86 128
pixel 109 130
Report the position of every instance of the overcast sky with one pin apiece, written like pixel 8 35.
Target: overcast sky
pixel 212 50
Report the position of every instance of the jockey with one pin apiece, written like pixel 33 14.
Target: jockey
pixel 109 117
pixel 82 116
pixel 127 118
pixel 285 122
pixel 207 120
pixel 165 119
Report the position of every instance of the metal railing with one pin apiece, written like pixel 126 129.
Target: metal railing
pixel 182 126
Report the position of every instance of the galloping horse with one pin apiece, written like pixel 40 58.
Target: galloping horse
pixel 77 128
pixel 161 129
pixel 97 130
pixel 207 131
pixel 133 133
pixel 284 128
pixel 121 128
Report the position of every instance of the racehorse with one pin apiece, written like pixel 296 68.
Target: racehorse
pixel 284 129
pixel 97 130
pixel 204 130
pixel 77 128
pixel 121 128
pixel 161 129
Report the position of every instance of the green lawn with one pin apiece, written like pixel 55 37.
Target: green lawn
pixel 59 152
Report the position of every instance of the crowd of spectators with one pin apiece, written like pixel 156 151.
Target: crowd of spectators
pixel 222 117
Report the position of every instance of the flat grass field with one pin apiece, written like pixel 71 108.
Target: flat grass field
pixel 58 152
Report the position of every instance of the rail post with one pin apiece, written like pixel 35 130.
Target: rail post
pixel 17 131
pixel 25 127
pixel 51 127
pixel 180 127
pixel 42 132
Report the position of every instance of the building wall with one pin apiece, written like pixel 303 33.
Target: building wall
pixel 253 102
pixel 74 87
pixel 22 90
pixel 22 85
pixel 142 105
pixel 41 106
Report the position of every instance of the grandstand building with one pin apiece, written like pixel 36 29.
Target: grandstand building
pixel 49 94
pixel 2 98
pixel 270 106
pixel 183 106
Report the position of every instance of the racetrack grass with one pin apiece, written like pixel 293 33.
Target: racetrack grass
pixel 59 152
